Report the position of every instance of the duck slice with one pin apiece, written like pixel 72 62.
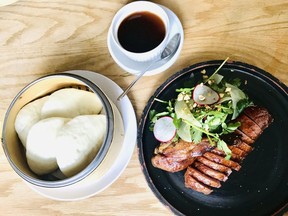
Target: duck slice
pixel 171 164
pixel 234 157
pixel 215 166
pixel 210 172
pixel 221 160
pixel 179 155
pixel 235 150
pixel 243 146
pixel 191 182
pixel 259 115
pixel 249 127
pixel 242 136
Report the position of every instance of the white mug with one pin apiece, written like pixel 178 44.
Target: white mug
pixel 139 7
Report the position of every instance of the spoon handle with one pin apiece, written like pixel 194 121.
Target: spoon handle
pixel 134 81
pixel 169 51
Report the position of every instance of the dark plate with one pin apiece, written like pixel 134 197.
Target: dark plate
pixel 261 185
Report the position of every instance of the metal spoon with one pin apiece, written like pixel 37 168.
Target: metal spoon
pixel 169 51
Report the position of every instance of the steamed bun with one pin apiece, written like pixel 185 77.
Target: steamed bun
pixel 40 148
pixel 69 103
pixel 78 142
pixel 27 117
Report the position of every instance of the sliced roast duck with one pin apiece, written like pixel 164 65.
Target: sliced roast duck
pixel 206 166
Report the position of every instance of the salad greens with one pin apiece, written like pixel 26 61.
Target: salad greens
pixel 211 120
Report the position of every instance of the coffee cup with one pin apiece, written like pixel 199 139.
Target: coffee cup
pixel 140 30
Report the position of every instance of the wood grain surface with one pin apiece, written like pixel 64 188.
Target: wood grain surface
pixel 44 37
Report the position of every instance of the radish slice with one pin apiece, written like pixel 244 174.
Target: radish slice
pixel 164 129
pixel 204 95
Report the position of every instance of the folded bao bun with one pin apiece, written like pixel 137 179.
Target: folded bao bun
pixel 69 103
pixel 78 142
pixel 41 141
pixel 27 117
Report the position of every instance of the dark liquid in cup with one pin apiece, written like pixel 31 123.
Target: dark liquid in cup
pixel 141 32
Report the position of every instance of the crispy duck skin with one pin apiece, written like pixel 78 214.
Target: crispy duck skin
pixel 207 166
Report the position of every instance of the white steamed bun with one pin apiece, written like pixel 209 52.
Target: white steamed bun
pixel 69 103
pixel 27 117
pixel 78 142
pixel 41 145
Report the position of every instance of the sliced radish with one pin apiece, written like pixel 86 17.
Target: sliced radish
pixel 204 95
pixel 164 129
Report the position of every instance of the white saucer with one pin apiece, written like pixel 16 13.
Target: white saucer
pixel 7 2
pixel 72 192
pixel 135 67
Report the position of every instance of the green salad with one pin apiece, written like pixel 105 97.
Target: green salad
pixel 207 110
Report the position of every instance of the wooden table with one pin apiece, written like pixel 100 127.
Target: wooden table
pixel 44 37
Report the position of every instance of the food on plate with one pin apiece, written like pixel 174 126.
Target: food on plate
pixel 204 95
pixel 164 129
pixel 177 156
pixel 78 142
pixel 62 130
pixel 27 117
pixel 216 125
pixel 70 102
pixel 41 145
pixel 239 150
